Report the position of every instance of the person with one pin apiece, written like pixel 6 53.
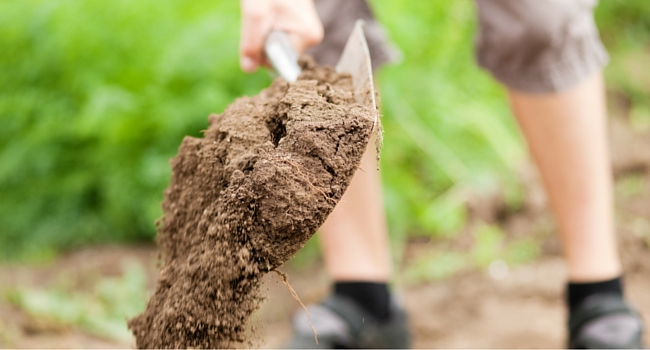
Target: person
pixel 549 57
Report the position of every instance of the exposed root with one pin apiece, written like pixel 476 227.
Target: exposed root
pixel 285 280
pixel 306 179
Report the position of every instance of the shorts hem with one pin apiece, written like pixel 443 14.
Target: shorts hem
pixel 553 78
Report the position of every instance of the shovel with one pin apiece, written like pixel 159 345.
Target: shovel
pixel 355 60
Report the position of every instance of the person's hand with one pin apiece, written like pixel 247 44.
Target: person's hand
pixel 260 17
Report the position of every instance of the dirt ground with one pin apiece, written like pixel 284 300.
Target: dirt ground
pixel 522 308
pixel 471 310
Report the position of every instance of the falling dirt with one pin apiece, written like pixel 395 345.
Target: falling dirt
pixel 244 199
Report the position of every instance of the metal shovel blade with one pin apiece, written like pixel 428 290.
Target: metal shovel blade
pixel 355 60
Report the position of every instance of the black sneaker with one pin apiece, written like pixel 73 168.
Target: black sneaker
pixel 605 321
pixel 341 323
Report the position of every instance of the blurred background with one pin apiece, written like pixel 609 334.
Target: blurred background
pixel 96 96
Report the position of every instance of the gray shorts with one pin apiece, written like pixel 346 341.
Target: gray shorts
pixel 535 46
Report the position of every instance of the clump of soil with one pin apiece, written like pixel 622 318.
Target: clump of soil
pixel 244 199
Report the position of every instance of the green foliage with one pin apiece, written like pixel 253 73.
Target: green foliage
pixel 447 122
pixel 631 186
pixel 307 255
pixel 101 311
pixel 487 244
pixel 489 248
pixel 435 267
pixel 625 29
pixel 96 96
pixel 624 23
pixel 448 126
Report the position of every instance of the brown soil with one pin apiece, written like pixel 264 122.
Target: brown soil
pixel 244 199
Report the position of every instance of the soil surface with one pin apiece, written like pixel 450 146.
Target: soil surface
pixel 244 199
pixel 472 310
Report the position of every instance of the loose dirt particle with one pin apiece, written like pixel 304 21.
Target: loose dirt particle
pixel 244 199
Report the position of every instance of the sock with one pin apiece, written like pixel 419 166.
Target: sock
pixel 578 292
pixel 371 296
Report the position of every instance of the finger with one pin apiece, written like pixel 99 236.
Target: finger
pixel 304 34
pixel 256 24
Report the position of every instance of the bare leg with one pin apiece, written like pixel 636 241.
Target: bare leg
pixel 567 136
pixel 355 238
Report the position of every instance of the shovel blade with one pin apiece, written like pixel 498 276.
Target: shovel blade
pixel 355 60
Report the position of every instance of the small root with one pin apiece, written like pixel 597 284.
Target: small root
pixel 304 177
pixel 285 280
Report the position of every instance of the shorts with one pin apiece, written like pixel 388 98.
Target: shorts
pixel 528 45
pixel 338 17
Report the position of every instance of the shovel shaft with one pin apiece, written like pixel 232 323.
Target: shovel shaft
pixel 281 54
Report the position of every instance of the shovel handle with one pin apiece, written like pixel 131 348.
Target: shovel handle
pixel 281 54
